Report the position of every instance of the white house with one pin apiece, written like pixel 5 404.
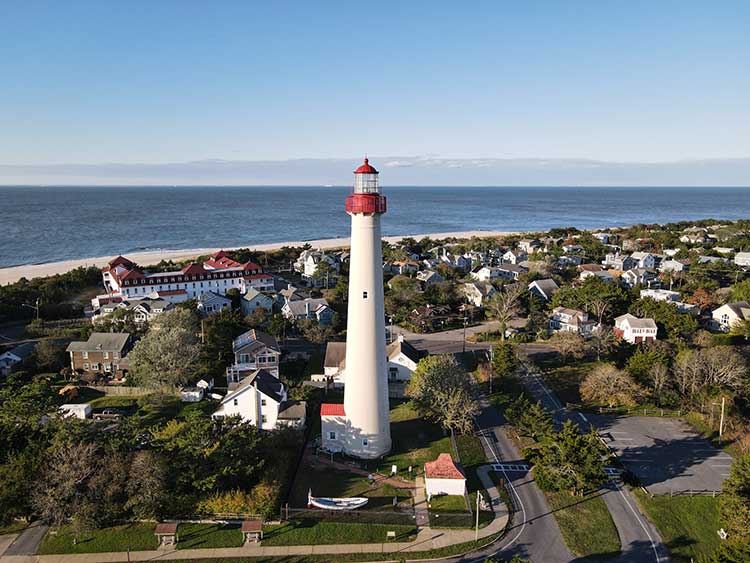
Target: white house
pixel 742 259
pixel 254 300
pixel 643 259
pixel 661 295
pixel 333 427
pixel 429 277
pixel 635 330
pixel 253 350
pixel 477 293
pixel 510 271
pixel 637 276
pixel 727 316
pixel 211 302
pixel 404 267
pixel 308 261
pixel 514 257
pixel 544 289
pixel 256 399
pixel 192 394
pixel 143 309
pixel 604 238
pixel 571 320
pixel 530 246
pixel 402 361
pixel 672 265
pixel 603 275
pixel 15 356
pixel 443 477
pixel 485 273
pixel 292 413
pixel 618 261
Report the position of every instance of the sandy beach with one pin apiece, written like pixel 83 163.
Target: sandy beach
pixel 29 271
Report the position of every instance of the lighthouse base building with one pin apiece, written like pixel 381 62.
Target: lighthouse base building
pixel 361 426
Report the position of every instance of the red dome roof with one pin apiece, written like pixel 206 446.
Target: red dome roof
pixel 366 169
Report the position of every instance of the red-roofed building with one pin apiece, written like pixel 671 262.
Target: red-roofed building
pixel 333 426
pixel 444 477
pixel 123 278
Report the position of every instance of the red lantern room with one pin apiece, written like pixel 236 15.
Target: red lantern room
pixel 366 197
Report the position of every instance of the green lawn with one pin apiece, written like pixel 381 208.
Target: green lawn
pixel 448 503
pixel 585 524
pixel 415 441
pixel 309 532
pixel 194 536
pixel 566 380
pixel 13 528
pixel 687 525
pixel 114 401
pixel 137 537
pixel 327 482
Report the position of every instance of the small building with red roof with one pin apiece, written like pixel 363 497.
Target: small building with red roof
pixel 333 426
pixel 444 477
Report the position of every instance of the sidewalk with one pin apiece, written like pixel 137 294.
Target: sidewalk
pixel 427 539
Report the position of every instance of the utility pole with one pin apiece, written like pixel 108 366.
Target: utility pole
pixel 476 528
pixel 721 421
pixel 463 347
pixel 35 307
pixel 492 365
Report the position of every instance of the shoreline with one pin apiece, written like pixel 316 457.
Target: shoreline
pixel 12 274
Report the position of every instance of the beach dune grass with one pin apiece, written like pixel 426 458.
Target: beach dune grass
pixel 585 524
pixel 136 537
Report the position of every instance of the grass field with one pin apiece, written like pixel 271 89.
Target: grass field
pixel 137 537
pixel 415 440
pixel 687 525
pixel 585 524
pixel 448 503
pixel 566 380
pixel 198 536
pixel 327 482
pixel 309 532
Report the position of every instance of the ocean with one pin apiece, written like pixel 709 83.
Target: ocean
pixel 45 224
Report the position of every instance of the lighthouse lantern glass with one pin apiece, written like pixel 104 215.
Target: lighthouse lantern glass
pixel 366 184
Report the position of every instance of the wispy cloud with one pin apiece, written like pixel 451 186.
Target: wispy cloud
pixel 405 170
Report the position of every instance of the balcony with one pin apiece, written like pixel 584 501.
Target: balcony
pixel 365 203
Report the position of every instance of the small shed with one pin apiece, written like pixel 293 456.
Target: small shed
pixel 444 477
pixel 166 533
pixel 191 394
pixel 252 530
pixel 81 410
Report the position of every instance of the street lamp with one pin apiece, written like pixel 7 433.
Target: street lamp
pixel 463 347
pixel 35 307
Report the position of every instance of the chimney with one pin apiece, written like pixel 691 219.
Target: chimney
pixel 307 307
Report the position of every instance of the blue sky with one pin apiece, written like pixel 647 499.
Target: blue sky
pixel 160 82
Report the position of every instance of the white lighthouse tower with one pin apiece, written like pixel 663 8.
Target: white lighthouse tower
pixel 362 428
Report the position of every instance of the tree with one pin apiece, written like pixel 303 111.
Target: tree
pixel 503 306
pixel 146 485
pixel 50 356
pixel 439 389
pixel 658 376
pixel 734 503
pixel 315 332
pixel 741 291
pixel 598 306
pixel 570 345
pixel 569 461
pixel 166 357
pixel 62 488
pixel 611 386
pixel 605 341
pixel 504 359
pixel 324 272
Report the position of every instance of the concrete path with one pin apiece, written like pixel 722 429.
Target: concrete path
pixel 27 542
pixel 426 539
pixel 420 503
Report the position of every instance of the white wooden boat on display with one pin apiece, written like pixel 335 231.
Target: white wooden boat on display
pixel 332 503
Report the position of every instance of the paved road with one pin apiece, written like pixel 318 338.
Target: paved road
pixel 640 541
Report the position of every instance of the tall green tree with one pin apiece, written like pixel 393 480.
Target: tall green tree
pixel 734 503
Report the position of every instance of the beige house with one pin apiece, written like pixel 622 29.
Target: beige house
pixel 728 316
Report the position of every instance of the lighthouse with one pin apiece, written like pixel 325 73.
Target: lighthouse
pixel 360 427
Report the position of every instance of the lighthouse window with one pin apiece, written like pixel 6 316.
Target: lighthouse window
pixel 364 295
pixel 364 441
pixel 331 435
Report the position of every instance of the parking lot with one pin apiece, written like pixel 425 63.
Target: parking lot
pixel 666 454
